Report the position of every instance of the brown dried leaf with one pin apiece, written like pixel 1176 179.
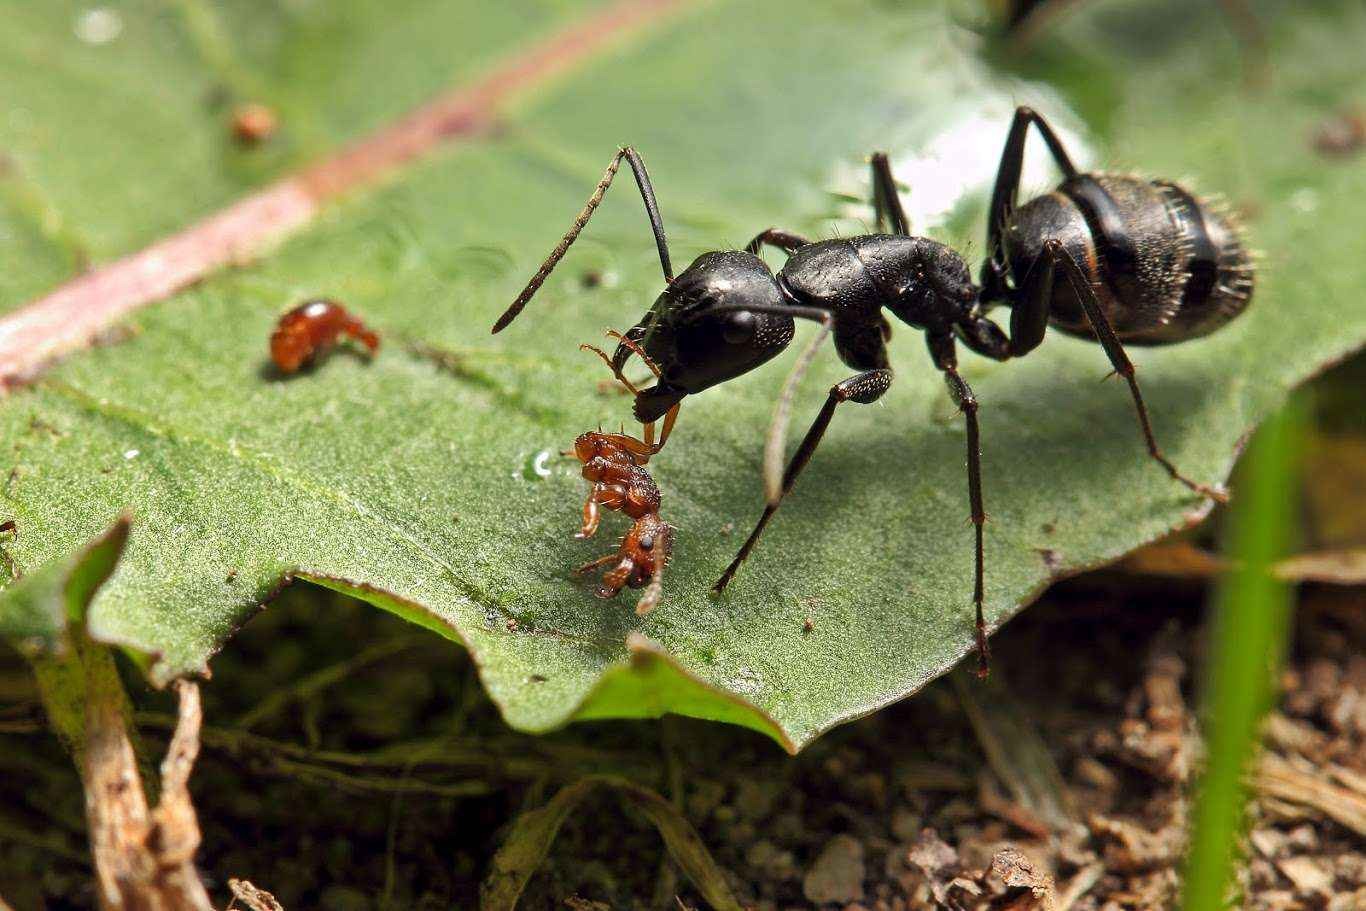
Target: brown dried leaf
pixel 1309 877
pixel 1018 873
pixel 1159 736
pixel 1079 885
pixel 1133 848
pixel 931 854
pixel 1293 736
pixel 1336 567
pixel 1276 777
pixel 1039 802
pixel 1173 559
pixel 938 861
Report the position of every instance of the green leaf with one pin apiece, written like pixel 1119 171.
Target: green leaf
pixel 115 127
pixel 433 490
pixel 44 614
pixel 37 607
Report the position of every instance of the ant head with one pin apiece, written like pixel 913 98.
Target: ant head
pixel 645 548
pixel 700 333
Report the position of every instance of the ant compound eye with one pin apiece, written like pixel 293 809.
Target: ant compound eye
pixel 647 542
pixel 739 329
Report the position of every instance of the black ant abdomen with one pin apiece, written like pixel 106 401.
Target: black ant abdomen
pixel 1166 266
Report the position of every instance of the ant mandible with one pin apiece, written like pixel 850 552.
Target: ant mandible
pixel 1107 257
pixel 615 465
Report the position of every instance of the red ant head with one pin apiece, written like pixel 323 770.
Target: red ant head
pixel 645 549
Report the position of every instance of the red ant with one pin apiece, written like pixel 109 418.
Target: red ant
pixel 311 329
pixel 253 124
pixel 614 463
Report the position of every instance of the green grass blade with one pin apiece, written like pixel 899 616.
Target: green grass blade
pixel 1247 641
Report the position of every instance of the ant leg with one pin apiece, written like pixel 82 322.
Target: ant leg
pixel 357 330
pixel 647 194
pixel 601 494
pixel 864 388
pixel 591 514
pixel 1114 350
pixel 886 199
pixel 1007 188
pixel 594 564
pixel 670 418
pixel 1029 316
pixel 946 359
pixel 776 237
pixel 984 337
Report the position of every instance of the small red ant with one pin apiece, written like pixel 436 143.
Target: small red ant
pixel 614 464
pixel 311 329
pixel 253 124
pixel 1342 134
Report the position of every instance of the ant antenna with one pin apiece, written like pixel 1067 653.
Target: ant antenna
pixel 647 194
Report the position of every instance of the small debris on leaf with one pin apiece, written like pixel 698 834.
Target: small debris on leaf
pixel 254 124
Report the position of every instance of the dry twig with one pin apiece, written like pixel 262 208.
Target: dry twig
pixel 255 899
pixel 144 859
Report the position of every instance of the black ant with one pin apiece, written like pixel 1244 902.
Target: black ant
pixel 1108 257
pixel 615 465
